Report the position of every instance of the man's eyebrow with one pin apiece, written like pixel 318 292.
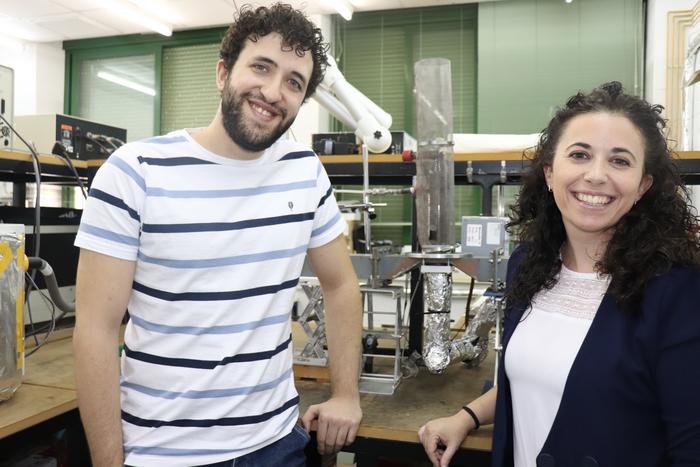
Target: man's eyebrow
pixel 268 60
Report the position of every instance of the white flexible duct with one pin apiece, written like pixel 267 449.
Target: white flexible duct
pixel 334 106
pixel 334 78
pixel 369 122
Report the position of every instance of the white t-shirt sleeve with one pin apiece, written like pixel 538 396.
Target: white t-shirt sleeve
pixel 111 220
pixel 328 222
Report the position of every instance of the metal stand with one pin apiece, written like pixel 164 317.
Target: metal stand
pixel 495 294
pixel 313 352
pixel 373 381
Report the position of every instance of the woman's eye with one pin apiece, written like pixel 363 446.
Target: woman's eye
pixel 578 155
pixel 258 67
pixel 621 162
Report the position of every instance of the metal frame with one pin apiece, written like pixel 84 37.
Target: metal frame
pixel 383 383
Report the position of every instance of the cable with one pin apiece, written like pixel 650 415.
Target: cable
pixel 468 305
pixel 52 323
pixel 60 150
pixel 93 138
pixel 36 231
pixel 37 178
pixel 31 324
pixel 413 295
pixel 114 141
pixel 67 160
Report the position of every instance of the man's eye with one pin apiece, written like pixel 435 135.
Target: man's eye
pixel 258 67
pixel 295 84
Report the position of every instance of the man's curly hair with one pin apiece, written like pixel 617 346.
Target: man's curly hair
pixel 298 34
pixel 657 234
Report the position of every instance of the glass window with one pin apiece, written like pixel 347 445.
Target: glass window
pixel 190 97
pixel 120 92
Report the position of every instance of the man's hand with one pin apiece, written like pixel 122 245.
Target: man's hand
pixel 443 436
pixel 338 421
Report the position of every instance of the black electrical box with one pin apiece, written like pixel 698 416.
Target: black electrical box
pixel 74 137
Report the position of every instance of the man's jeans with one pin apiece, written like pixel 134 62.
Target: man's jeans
pixel 286 452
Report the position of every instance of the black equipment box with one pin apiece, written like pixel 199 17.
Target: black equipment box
pixel 326 144
pixel 76 138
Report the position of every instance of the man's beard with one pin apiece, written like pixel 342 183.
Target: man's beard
pixel 234 122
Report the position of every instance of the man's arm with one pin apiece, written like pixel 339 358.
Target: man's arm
pixel 102 293
pixel 339 417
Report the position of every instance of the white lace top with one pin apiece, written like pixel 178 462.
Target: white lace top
pixel 540 354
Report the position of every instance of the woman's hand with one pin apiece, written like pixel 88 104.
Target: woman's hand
pixel 443 436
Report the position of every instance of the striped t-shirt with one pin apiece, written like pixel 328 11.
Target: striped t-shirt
pixel 219 245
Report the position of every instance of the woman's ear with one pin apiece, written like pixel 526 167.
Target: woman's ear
pixel 547 169
pixel 644 185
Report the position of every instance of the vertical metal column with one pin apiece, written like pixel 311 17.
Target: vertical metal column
pixel 415 326
pixel 19 194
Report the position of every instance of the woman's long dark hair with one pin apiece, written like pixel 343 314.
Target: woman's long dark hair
pixel 657 234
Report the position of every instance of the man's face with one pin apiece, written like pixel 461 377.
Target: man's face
pixel 262 94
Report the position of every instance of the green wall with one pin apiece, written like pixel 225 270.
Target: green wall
pixel 534 54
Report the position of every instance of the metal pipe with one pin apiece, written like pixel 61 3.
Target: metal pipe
pixel 51 285
pixel 365 198
pixel 437 290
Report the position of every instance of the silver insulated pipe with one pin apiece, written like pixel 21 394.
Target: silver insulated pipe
pixel 437 294
pixel 472 347
pixel 439 350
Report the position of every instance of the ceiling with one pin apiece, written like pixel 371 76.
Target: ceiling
pixel 59 20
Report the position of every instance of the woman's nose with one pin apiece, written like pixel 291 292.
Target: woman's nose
pixel 596 172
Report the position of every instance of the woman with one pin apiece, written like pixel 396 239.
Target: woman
pixel 601 363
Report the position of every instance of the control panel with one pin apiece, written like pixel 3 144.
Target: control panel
pixel 7 92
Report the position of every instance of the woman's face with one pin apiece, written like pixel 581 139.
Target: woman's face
pixel 597 173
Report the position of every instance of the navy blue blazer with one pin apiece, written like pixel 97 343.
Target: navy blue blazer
pixel 632 397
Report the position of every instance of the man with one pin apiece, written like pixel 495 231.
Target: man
pixel 202 235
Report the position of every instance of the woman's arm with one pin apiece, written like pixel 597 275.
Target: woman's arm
pixel 443 436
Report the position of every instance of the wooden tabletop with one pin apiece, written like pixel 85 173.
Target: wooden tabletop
pixel 416 400
pixel 48 390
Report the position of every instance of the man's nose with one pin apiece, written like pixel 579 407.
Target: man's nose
pixel 272 90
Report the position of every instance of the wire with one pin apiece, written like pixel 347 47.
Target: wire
pixel 468 306
pixel 36 230
pixel 31 324
pixel 413 295
pixel 52 324
pixel 70 165
pixel 37 178
pixel 60 151
pixel 93 138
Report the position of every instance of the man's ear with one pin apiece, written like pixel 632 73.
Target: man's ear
pixel 221 74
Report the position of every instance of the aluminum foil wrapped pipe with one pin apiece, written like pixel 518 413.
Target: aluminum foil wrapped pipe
pixel 11 309
pixel 434 189
pixel 473 346
pixel 436 323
